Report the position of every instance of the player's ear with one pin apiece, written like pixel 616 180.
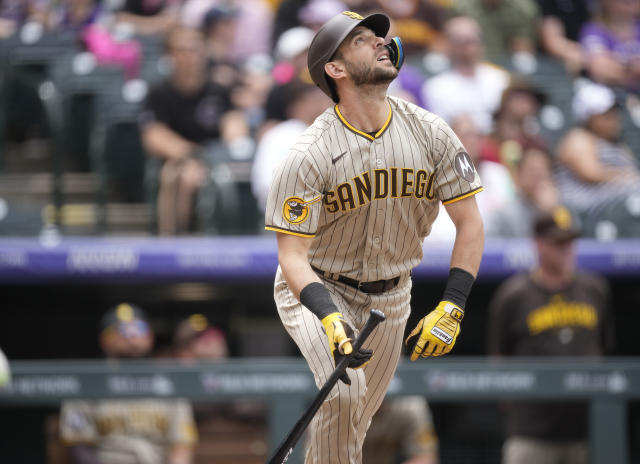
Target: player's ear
pixel 335 69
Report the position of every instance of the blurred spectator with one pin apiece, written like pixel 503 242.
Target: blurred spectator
pixel 470 86
pixel 220 424
pixel 14 13
pixel 316 12
pixel 305 103
pixel 195 339
pixel 286 17
pixel 120 431
pixel 611 43
pixel 401 432
pixel 5 372
pixel 499 188
pixel 553 310
pixel 89 21
pixel 595 168
pixel 508 26
pixel 559 30
pixel 250 93
pixel 254 23
pixel 291 65
pixel 219 26
pixel 418 23
pixel 515 121
pixel 74 15
pixel 182 115
pixel 535 192
pixel 150 17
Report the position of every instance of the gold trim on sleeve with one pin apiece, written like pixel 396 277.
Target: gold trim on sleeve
pixel 290 232
pixel 463 196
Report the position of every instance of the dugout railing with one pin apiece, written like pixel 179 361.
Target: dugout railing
pixel 286 385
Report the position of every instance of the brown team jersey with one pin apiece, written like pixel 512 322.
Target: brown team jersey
pixel 528 320
pixel 369 199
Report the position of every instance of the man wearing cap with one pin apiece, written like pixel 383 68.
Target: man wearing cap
pixel 552 310
pixel 128 431
pixel 351 204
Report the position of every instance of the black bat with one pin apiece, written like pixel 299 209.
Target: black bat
pixel 285 448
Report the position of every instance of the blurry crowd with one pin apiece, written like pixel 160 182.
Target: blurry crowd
pixel 229 92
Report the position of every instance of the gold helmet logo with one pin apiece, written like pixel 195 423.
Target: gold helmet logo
pixel 352 15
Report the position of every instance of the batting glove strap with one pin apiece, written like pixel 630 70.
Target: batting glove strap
pixel 453 309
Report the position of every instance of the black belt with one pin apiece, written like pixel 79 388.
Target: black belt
pixel 378 286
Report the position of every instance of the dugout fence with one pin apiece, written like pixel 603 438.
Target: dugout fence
pixel 286 385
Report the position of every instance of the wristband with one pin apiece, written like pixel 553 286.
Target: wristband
pixel 458 286
pixel 317 299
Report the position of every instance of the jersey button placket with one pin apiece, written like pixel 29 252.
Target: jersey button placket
pixel 375 240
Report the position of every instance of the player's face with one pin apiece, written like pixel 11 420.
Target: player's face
pixel 558 257
pixel 366 59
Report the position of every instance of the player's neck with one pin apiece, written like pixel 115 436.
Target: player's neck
pixel 367 113
pixel 551 280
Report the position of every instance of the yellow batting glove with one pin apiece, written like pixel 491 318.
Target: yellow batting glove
pixel 340 336
pixel 436 333
pixel 336 329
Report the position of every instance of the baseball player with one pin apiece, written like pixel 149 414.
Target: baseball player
pixel 351 204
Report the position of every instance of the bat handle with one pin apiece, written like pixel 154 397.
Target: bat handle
pixel 375 317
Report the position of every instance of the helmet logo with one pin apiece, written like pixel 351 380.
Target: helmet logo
pixel 352 15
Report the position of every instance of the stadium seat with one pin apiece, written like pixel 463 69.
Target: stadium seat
pixel 28 55
pixel 80 80
pixel 226 204
pixel 117 154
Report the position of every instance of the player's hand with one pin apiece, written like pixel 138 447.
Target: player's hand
pixel 340 335
pixel 436 333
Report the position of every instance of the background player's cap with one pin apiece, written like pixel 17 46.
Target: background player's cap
pixel 330 36
pixel 557 225
pixel 127 319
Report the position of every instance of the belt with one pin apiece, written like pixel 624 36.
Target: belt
pixel 377 286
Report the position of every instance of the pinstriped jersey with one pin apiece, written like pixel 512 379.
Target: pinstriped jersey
pixel 368 200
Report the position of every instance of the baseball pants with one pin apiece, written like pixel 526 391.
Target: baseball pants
pixel 337 431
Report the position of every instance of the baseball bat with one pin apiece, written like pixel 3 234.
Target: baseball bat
pixel 285 448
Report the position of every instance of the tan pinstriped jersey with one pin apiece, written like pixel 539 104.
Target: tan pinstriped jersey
pixel 369 200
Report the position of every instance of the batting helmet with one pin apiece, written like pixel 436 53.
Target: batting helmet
pixel 330 36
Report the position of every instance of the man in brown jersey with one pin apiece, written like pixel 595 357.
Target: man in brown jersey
pixel 552 310
pixel 351 204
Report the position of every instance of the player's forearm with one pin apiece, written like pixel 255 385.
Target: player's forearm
pixel 294 262
pixel 469 244
pixel 164 143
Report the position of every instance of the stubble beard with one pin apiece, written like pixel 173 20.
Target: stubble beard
pixel 364 75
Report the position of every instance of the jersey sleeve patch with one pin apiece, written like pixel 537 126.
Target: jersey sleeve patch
pixel 295 210
pixel 464 166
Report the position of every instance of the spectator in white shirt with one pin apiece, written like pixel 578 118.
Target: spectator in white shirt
pixel 470 86
pixel 306 102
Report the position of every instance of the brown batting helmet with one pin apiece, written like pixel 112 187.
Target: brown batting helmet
pixel 330 36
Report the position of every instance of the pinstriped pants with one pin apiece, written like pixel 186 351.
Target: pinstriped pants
pixel 337 431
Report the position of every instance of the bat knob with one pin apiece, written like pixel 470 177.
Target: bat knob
pixel 378 315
